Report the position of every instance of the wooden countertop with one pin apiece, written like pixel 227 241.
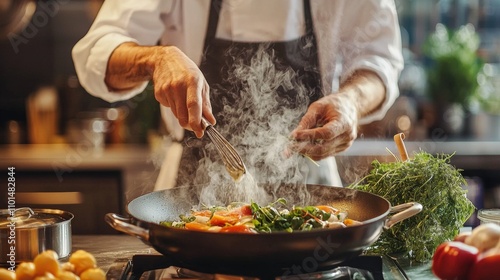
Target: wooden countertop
pixel 107 248
pixel 41 156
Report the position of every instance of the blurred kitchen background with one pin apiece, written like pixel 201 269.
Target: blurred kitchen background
pixel 450 102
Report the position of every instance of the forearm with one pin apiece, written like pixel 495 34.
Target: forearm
pixel 130 65
pixel 366 90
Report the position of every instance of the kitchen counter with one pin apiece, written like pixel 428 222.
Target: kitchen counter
pixel 466 154
pixel 135 163
pixel 108 248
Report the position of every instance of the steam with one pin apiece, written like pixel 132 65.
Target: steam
pixel 258 122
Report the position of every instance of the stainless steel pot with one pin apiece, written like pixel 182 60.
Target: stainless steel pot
pixel 26 232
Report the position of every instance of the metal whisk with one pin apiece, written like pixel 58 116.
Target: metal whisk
pixel 232 160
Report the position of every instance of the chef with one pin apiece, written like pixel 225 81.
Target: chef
pixel 298 75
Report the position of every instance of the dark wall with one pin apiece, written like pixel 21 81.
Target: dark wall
pixel 40 55
pixel 25 64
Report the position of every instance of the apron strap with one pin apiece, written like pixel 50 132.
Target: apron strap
pixel 308 17
pixel 213 21
pixel 216 6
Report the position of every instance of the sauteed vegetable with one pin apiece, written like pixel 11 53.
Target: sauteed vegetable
pixel 253 218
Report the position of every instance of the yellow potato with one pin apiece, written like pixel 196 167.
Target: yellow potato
pixel 25 271
pixel 67 275
pixel 46 261
pixel 46 276
pixel 82 261
pixel 93 274
pixel 6 274
pixel 67 266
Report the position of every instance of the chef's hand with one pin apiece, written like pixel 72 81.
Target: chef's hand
pixel 330 124
pixel 178 82
pixel 328 127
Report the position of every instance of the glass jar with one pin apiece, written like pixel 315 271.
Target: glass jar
pixel 489 216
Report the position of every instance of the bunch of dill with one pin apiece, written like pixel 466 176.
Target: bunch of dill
pixel 434 183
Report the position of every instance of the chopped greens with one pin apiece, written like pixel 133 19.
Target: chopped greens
pixel 269 219
pixel 254 218
pixel 434 183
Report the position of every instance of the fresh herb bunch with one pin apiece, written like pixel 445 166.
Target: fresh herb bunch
pixel 432 182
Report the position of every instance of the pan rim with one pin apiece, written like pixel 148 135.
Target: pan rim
pixel 277 233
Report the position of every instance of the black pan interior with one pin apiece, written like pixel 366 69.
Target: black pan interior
pixel 167 205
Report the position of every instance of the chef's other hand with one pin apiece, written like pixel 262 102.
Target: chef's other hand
pixel 330 124
pixel 178 82
pixel 328 127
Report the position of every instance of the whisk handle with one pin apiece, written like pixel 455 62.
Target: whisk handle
pixel 205 123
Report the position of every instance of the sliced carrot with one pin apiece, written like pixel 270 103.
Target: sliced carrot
pixel 203 213
pixel 351 222
pixel 238 228
pixel 196 226
pixel 222 219
pixel 327 209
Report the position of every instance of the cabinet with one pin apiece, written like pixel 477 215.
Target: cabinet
pixel 89 185
pixel 89 195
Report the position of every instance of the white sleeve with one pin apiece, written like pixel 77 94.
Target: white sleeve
pixel 371 39
pixel 117 22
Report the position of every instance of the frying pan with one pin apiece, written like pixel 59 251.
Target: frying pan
pixel 256 255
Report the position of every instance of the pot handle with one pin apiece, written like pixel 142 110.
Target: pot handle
pixel 124 224
pixel 403 212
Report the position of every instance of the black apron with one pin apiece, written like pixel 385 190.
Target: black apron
pixel 242 76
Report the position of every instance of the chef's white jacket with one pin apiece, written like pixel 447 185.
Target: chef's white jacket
pixel 351 35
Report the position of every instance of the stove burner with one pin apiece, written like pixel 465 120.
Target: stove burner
pixel 342 272
pixel 149 267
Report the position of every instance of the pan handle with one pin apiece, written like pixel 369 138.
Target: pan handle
pixel 403 212
pixel 123 224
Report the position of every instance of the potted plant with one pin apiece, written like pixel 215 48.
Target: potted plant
pixel 452 83
pixel 485 123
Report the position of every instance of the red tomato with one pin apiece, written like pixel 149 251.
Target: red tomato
pixel 453 260
pixel 486 268
pixel 237 228
pixel 245 210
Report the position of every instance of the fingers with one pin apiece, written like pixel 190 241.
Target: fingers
pixel 206 106
pixel 321 149
pixel 328 128
pixel 180 85
pixel 194 108
pixel 307 126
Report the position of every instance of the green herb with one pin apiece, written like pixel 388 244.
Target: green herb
pixel 432 182
pixel 270 219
